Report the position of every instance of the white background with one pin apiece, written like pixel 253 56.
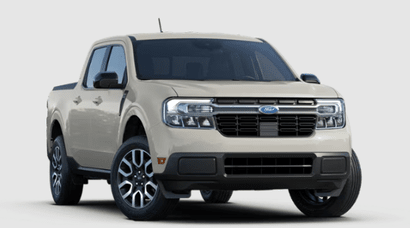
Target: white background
pixel 361 48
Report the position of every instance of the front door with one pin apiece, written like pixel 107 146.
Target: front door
pixel 105 112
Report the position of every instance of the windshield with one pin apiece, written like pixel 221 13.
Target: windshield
pixel 209 59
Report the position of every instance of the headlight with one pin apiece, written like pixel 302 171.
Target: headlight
pixel 330 113
pixel 188 113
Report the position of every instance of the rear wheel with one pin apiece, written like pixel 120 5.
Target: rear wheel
pixel 135 190
pixel 63 189
pixel 311 205
pixel 216 196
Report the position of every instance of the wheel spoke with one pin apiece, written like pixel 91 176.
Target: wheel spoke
pixel 58 155
pixel 129 191
pixel 146 192
pixel 58 187
pixel 54 164
pixel 55 178
pixel 135 157
pixel 145 168
pixel 54 160
pixel 122 171
pixel 141 204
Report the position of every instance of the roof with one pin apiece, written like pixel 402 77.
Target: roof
pixel 166 35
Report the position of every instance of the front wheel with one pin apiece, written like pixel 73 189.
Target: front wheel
pixel 311 205
pixel 133 185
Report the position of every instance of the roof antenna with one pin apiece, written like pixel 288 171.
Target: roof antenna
pixel 160 27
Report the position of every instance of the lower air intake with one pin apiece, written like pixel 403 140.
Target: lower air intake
pixel 268 165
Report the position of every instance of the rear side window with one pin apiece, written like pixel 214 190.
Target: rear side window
pixel 95 66
pixel 116 63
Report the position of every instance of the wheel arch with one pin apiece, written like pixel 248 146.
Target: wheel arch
pixel 56 128
pixel 134 123
pixel 133 127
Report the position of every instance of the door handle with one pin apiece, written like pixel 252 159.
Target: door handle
pixel 97 101
pixel 77 100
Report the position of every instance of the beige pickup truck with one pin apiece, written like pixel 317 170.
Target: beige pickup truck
pixel 159 115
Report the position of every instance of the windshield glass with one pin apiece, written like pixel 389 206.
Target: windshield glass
pixel 209 59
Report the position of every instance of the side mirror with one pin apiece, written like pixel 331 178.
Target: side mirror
pixel 105 80
pixel 310 78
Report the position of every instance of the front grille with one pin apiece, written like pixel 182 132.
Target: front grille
pixel 258 125
pixel 268 165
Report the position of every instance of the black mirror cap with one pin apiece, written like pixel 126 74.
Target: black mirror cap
pixel 106 80
pixel 310 78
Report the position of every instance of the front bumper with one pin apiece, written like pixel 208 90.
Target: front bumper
pixel 207 171
pixel 164 141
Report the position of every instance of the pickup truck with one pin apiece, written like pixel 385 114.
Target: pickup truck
pixel 160 115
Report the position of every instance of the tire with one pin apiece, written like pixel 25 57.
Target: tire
pixel 133 185
pixel 216 196
pixel 314 206
pixel 63 189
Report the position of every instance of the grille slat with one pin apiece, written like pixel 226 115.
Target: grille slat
pixel 268 166
pixel 264 101
pixel 260 125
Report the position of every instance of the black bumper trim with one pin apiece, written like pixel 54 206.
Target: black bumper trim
pixel 174 181
pixel 197 166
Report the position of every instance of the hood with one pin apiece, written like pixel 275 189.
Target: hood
pixel 188 88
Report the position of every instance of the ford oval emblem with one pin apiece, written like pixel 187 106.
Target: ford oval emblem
pixel 268 109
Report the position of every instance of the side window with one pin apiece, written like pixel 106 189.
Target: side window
pixel 117 63
pixel 95 66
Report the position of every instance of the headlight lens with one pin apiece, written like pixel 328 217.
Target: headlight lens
pixel 330 113
pixel 189 113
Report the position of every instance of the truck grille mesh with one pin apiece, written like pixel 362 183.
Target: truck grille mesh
pixel 258 125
